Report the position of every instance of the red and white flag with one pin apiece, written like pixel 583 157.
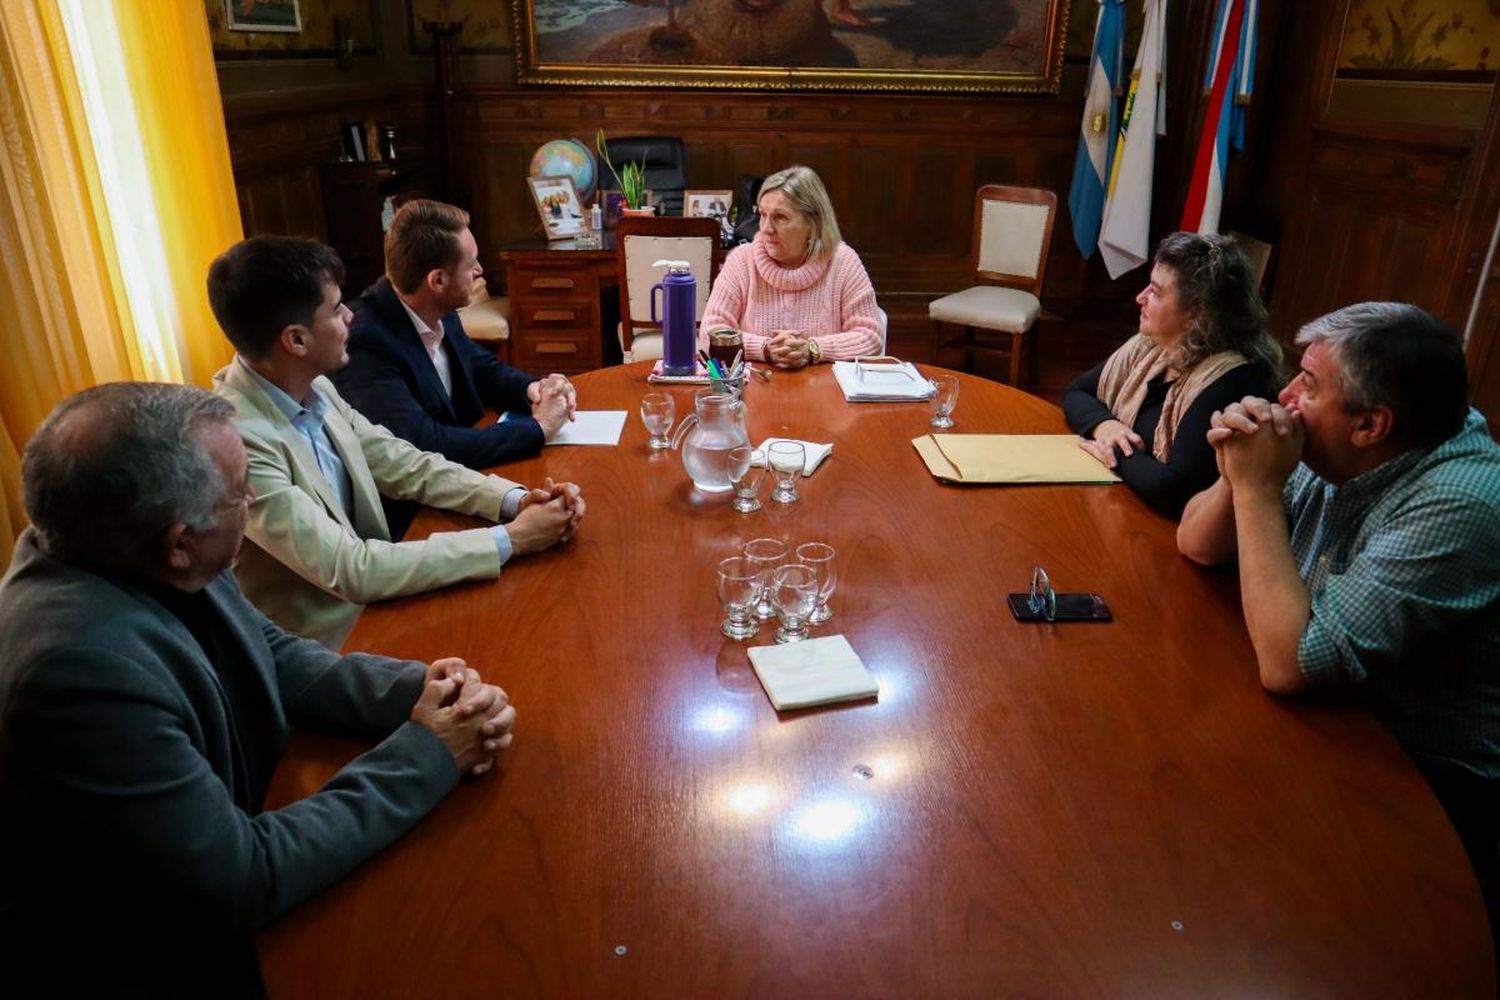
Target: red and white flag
pixel 1227 82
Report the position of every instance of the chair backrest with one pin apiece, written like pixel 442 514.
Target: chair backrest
pixel 640 241
pixel 664 162
pixel 1012 234
pixel 1259 252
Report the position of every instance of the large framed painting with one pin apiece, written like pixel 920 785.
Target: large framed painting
pixel 1426 62
pixel 888 45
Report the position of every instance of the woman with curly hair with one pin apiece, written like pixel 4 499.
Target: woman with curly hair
pixel 1202 345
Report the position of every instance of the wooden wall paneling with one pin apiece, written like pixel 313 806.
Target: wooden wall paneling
pixel 1475 243
pixel 1375 219
pixel 901 170
pixel 1484 351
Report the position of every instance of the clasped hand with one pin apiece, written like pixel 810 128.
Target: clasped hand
pixel 547 514
pixel 473 719
pixel 787 349
pixel 553 402
pixel 1256 443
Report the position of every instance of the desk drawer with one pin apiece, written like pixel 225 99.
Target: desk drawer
pixel 540 315
pixel 550 283
pixel 541 353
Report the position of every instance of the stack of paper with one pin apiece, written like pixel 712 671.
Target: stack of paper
pixel 1010 458
pixel 881 381
pixel 813 452
pixel 812 672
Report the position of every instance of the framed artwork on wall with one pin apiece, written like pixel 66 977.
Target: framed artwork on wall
pixel 263 15
pixel 712 204
pixel 1423 62
pixel 931 45
pixel 558 205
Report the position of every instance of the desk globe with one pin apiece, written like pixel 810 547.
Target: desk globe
pixel 567 158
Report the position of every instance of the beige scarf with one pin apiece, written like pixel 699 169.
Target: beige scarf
pixel 1139 361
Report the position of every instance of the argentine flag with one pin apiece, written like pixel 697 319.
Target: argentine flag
pixel 1101 121
pixel 1227 82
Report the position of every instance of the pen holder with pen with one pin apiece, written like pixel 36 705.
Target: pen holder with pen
pixel 732 385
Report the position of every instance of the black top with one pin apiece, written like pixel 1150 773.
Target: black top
pixel 1166 487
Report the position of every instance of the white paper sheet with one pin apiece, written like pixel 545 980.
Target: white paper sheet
pixel 592 427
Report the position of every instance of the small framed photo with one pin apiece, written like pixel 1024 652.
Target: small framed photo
pixel 558 205
pixel 710 204
pixel 263 15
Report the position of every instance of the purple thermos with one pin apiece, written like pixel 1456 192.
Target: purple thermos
pixel 678 317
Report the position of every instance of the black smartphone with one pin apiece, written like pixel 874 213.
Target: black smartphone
pixel 1070 608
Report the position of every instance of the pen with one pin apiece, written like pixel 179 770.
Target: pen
pixel 704 359
pixel 764 376
pixel 713 370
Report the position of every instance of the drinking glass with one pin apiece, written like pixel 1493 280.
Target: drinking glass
pixel 944 399
pixel 747 467
pixel 765 554
pixel 739 589
pixel 794 591
pixel 657 411
pixel 821 558
pixel 724 346
pixel 786 459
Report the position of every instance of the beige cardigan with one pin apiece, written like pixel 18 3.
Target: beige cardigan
pixel 310 567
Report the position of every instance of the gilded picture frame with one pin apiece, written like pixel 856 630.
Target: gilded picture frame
pixel 972 46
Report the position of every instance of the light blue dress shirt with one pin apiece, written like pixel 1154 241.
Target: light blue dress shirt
pixel 309 418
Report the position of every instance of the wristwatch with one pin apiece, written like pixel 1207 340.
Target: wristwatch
pixel 814 352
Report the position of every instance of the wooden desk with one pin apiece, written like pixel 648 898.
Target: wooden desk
pixel 556 296
pixel 1085 810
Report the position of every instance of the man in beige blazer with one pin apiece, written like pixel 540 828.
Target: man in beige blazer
pixel 320 545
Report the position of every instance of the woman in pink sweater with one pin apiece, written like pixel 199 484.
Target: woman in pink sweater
pixel 797 292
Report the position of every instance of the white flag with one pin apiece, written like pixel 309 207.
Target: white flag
pixel 1126 232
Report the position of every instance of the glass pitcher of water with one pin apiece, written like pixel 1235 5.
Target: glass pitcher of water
pixel 706 437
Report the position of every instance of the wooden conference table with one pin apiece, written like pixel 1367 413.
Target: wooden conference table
pixel 1065 810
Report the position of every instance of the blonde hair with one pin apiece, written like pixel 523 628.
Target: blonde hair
pixel 804 189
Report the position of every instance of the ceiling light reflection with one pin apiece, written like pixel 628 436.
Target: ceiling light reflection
pixel 749 798
pixel 828 821
pixel 718 720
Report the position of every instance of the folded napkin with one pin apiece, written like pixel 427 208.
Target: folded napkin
pixel 1010 458
pixel 814 453
pixel 812 672
pixel 880 380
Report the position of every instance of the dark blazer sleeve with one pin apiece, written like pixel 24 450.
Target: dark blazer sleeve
pixel 1080 403
pixel 500 386
pixel 118 748
pixel 1191 468
pixel 382 384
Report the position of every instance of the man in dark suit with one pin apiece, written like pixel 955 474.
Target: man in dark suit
pixel 144 705
pixel 413 369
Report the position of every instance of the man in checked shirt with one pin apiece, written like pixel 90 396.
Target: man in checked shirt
pixel 1364 508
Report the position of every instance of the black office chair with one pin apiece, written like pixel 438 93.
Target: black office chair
pixel 665 166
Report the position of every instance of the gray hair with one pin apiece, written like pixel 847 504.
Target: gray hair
pixel 1403 358
pixel 114 466
pixel 804 189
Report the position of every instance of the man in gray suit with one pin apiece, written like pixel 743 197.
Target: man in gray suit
pixel 144 704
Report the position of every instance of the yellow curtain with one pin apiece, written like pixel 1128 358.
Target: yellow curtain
pixel 117 194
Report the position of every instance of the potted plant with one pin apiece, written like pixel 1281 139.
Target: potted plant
pixel 631 181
